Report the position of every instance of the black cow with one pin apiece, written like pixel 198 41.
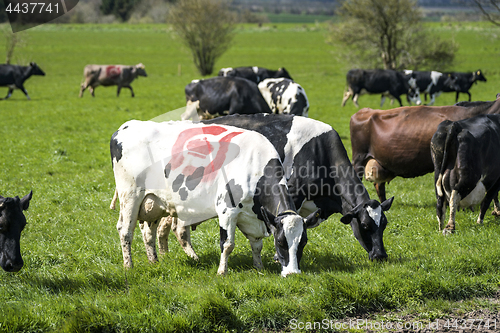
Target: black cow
pixel 464 82
pixel 13 76
pixel 387 82
pixel 222 95
pixel 432 83
pixel 466 155
pixel 12 223
pixel 319 175
pixel 255 74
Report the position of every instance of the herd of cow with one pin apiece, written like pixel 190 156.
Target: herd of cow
pixel 393 84
pixel 265 168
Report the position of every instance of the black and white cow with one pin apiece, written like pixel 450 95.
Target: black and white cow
pixel 464 82
pixel 285 96
pixel 219 96
pixel 466 155
pixel 432 83
pixel 255 74
pixel 111 75
pixel 12 223
pixel 197 172
pixel 389 83
pixel 14 76
pixel 319 175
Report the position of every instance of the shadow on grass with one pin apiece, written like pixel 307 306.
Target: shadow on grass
pixel 65 284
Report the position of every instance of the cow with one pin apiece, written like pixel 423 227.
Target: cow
pixel 196 172
pixel 395 143
pixel 12 223
pixel 110 75
pixel 219 96
pixel 466 155
pixel 432 83
pixel 285 96
pixel 14 76
pixel 319 175
pixel 389 83
pixel 254 74
pixel 464 82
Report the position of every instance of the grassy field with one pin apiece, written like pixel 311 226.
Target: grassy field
pixel 73 281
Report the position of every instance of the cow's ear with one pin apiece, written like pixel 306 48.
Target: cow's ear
pixel 269 218
pixel 347 218
pixel 25 201
pixel 313 220
pixel 386 205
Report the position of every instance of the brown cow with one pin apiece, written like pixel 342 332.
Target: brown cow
pixel 110 75
pixel 396 142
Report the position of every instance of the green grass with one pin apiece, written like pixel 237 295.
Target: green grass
pixel 73 280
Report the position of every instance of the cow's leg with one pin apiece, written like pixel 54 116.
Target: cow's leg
pixel 131 90
pixel 148 230
pixel 183 235
pixel 496 210
pixel 347 94
pixel 382 100
pixel 92 91
pixel 441 211
pixel 191 111
pixel 9 93
pixel 380 188
pixel 470 97
pixel 456 99
pixel 21 87
pixel 83 86
pixel 118 90
pixel 355 100
pixel 256 250
pixel 374 172
pixel 454 201
pixel 492 194
pixel 227 224
pixel 129 210
pixel 162 234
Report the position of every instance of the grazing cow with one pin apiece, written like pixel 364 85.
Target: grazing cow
pixel 219 96
pixel 198 172
pixel 14 76
pixel 110 75
pixel 395 143
pixel 255 74
pixel 319 175
pixel 285 96
pixel 466 155
pixel 12 223
pixel 432 83
pixel 464 82
pixel 378 81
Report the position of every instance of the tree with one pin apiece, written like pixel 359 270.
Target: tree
pixel 119 8
pixel 206 27
pixel 490 10
pixel 388 34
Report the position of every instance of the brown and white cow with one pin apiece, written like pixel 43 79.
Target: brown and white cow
pixel 110 75
pixel 396 142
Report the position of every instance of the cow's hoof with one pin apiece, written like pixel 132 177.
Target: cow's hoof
pixel 495 213
pixel 448 231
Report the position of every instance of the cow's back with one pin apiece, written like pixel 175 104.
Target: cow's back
pixel 190 165
pixel 399 138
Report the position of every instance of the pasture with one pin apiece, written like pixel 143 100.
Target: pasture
pixel 73 280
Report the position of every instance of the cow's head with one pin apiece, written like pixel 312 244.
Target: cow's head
pixel 140 70
pixel 413 93
pixel 290 236
pixel 282 72
pixel 35 70
pixel 12 223
pixel 368 223
pixel 478 76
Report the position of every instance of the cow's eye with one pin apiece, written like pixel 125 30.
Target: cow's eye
pixel 365 226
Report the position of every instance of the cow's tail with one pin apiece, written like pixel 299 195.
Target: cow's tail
pixel 447 154
pixel 113 201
